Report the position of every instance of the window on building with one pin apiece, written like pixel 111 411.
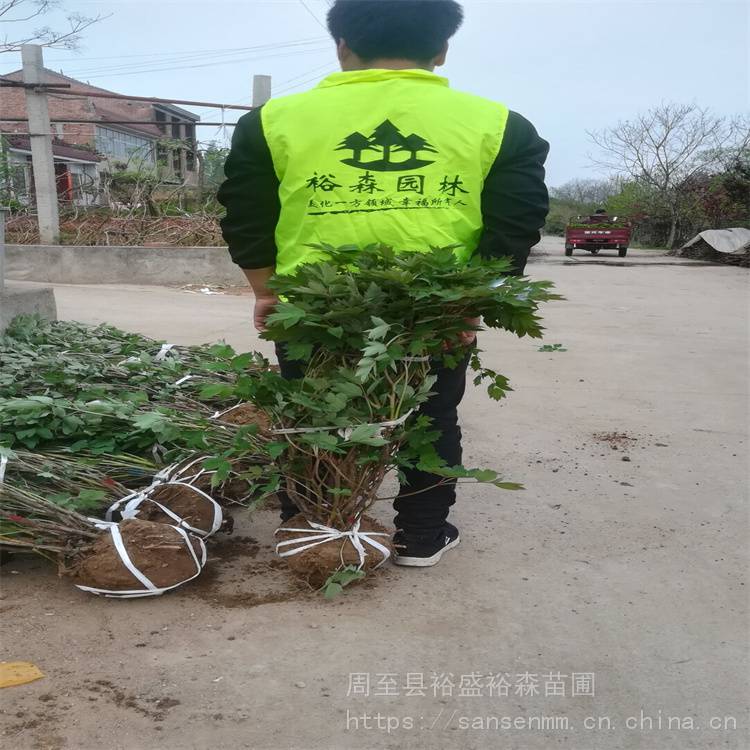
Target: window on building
pixel 161 120
pixel 124 146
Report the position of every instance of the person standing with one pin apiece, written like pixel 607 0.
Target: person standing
pixel 386 152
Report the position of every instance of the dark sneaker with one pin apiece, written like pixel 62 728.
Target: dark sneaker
pixel 418 553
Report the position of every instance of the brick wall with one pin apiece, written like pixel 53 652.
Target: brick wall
pixel 13 104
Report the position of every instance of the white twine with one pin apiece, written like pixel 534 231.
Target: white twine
pixel 180 475
pixel 157 449
pixel 346 432
pixel 162 353
pixel 134 501
pixel 3 464
pixel 174 474
pixel 218 414
pixel 150 589
pixel 321 534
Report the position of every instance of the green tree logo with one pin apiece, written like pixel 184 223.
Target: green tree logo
pixel 357 143
pixel 415 143
pixel 387 140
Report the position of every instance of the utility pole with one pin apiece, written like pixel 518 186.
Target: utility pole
pixel 40 136
pixel 261 90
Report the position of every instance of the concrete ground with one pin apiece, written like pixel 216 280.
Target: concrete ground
pixel 607 601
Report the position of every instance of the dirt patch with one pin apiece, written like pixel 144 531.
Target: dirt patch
pixel 235 491
pixel 229 549
pixel 615 440
pixel 152 708
pixel 189 505
pixel 156 549
pixel 250 599
pixel 243 573
pixel 315 565
pixel 244 414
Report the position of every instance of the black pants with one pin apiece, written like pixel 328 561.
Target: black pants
pixel 422 515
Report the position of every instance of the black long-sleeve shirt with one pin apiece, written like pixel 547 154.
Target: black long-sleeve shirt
pixel 514 196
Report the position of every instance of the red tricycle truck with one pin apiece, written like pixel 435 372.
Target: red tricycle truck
pixel 598 232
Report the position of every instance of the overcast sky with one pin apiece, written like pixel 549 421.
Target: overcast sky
pixel 567 66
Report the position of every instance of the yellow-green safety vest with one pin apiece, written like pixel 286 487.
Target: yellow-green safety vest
pixel 380 156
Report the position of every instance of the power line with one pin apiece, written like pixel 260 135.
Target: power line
pixel 69 121
pixel 283 84
pixel 198 56
pixel 317 20
pixel 153 99
pixel 302 83
pixel 177 52
pixel 307 73
pixel 208 65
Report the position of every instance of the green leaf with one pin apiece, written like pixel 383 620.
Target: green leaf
pixel 149 421
pixel 216 390
pixel 332 590
pixel 364 368
pixel 483 475
pixel 348 389
pixel 299 351
pixel 323 439
pixel 287 314
pixel 274 450
pixel 241 362
pixel 375 348
pixel 380 330
pixel 335 583
pixel 366 434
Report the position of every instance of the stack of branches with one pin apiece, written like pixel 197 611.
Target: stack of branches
pixel 64 358
pixel 103 228
pixel 31 522
pixel 98 392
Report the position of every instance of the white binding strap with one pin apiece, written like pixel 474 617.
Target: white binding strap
pixel 180 469
pixel 345 432
pixel 179 474
pixel 150 589
pixel 133 502
pixel 162 353
pixel 218 414
pixel 321 534
pixel 3 464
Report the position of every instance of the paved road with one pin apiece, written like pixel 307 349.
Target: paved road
pixel 624 559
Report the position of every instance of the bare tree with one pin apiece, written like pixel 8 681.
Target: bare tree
pixel 27 11
pixel 588 192
pixel 663 148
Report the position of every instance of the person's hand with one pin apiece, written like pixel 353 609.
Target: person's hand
pixel 464 338
pixel 467 338
pixel 264 306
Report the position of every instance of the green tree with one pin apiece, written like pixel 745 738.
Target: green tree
pixel 212 160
